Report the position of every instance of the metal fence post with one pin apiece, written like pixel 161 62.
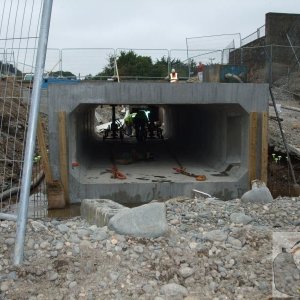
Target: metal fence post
pixel 60 62
pixel 31 133
pixel 169 62
pixel 271 65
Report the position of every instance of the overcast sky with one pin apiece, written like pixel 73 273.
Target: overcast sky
pixel 155 23
pixel 132 24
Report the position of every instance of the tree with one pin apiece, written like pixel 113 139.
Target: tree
pixel 160 68
pixel 131 64
pixel 62 73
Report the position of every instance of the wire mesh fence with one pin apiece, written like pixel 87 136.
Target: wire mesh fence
pixel 260 32
pixel 267 64
pixel 92 63
pixel 19 26
pixel 85 63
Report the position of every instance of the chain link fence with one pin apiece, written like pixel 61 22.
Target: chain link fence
pixel 85 63
pixel 259 33
pixel 267 64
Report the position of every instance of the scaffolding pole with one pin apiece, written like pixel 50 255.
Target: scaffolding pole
pixel 31 133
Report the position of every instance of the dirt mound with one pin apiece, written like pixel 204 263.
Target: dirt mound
pixel 13 122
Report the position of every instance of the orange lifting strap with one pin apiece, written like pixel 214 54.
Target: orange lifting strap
pixel 184 172
pixel 116 174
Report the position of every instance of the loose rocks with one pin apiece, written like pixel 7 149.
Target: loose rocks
pixel 211 252
pixel 240 218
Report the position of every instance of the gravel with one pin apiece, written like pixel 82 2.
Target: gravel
pixel 224 256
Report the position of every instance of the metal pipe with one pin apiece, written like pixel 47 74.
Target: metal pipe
pixel 60 63
pixel 188 59
pixel 31 133
pixel 13 191
pixel 236 77
pixel 8 217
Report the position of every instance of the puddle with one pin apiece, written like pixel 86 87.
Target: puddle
pixel 38 208
pixel 71 211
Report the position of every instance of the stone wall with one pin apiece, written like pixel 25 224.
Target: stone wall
pixel 273 48
pixel 250 53
pixel 278 24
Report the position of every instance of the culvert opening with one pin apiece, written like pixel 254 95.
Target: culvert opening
pixel 203 139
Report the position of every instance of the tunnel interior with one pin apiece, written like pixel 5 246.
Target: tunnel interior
pixel 202 139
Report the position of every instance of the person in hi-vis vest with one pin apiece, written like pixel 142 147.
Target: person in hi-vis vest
pixel 173 76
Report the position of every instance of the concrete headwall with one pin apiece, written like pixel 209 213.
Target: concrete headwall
pixel 206 125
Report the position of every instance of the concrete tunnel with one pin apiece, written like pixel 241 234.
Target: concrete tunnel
pixel 206 129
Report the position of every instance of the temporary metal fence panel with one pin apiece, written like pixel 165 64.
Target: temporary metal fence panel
pixel 53 61
pixel 23 60
pixel 18 43
pixel 21 25
pixel 186 62
pixel 85 63
pixel 213 42
pixel 31 131
pixel 260 32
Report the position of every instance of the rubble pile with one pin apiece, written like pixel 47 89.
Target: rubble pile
pixel 213 250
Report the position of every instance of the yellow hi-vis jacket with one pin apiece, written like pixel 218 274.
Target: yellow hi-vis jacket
pixel 173 77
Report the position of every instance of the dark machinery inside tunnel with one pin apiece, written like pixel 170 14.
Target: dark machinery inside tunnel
pixel 203 140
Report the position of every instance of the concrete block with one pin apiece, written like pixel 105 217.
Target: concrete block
pixel 99 211
pixel 147 221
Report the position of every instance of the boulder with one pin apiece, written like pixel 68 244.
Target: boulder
pixel 259 194
pixel 147 221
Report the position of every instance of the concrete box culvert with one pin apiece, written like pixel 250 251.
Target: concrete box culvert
pixel 206 131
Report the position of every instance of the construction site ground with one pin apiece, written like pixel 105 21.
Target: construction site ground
pixel 205 255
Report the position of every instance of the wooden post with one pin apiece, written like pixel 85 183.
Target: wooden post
pixel 63 153
pixel 43 150
pixel 264 147
pixel 252 146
